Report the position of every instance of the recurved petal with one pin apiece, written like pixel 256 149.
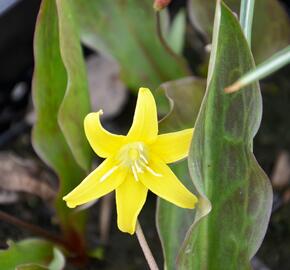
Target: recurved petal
pixel 171 147
pixel 130 198
pixel 163 182
pixel 145 122
pixel 101 181
pixel 104 143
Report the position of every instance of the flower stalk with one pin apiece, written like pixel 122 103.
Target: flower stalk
pixel 145 248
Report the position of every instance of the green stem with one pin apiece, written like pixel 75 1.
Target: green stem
pixel 246 17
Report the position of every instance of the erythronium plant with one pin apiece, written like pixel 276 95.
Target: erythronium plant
pixel 134 164
pixel 233 190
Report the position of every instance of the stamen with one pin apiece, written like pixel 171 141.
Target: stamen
pixel 139 169
pixel 107 174
pixel 134 157
pixel 153 172
pixel 142 163
pixel 135 173
pixel 143 158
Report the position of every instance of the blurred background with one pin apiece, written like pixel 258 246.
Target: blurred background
pixel 26 183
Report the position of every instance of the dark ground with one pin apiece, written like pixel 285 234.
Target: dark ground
pixel 16 66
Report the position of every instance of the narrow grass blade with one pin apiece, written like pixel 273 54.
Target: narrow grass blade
pixel 246 17
pixel 271 31
pixel 276 62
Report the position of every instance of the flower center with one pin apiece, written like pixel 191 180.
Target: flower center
pixel 135 157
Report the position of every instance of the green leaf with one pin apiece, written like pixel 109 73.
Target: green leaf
pixel 126 29
pixel 31 267
pixel 75 104
pixel 277 61
pixel 98 253
pixel 270 31
pixel 58 261
pixel 185 97
pixel 31 254
pixel 49 84
pixel 172 221
pixel 176 34
pixel 227 231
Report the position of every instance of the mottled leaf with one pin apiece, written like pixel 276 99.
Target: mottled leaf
pixel 227 231
pixel 271 31
pixel 173 222
pixel 49 84
pixel 126 29
pixel 184 96
pixel 31 254
pixel 75 104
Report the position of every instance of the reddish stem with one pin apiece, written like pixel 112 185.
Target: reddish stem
pixel 32 228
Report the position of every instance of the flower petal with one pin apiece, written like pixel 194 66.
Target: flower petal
pixel 166 185
pixel 145 122
pixel 101 181
pixel 103 142
pixel 130 198
pixel 171 147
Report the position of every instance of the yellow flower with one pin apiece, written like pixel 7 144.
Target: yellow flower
pixel 134 164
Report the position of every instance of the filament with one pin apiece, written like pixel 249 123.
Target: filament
pixel 107 174
pixel 152 171
pixel 135 173
pixel 139 169
pixel 143 158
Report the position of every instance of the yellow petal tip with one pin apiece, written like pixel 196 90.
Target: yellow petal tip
pixel 70 204
pixel 144 89
pixel 130 231
pixel 194 202
pixel 189 203
pixel 92 115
